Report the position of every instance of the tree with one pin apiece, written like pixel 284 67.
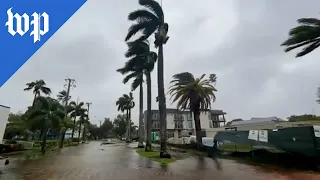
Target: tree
pixel 306 35
pixel 16 125
pixel 120 125
pixel 126 103
pixel 141 61
pixel 75 110
pixel 49 112
pixel 83 119
pixel 65 124
pixel 106 127
pixel 194 94
pixel 38 87
pixel 149 21
pixel 304 117
pixel 62 96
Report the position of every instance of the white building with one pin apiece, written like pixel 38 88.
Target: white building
pixel 4 114
pixel 181 123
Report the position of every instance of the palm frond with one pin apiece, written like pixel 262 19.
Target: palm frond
pixel 135 28
pixel 154 7
pixel 142 15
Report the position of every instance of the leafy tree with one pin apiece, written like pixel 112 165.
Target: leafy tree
pixel 150 21
pixel 48 112
pixel 194 94
pixel 106 127
pixel 38 87
pixel 119 125
pixel 94 131
pixel 126 103
pixel 62 96
pixel 141 61
pixel 304 117
pixel 16 125
pixel 306 34
pixel 75 110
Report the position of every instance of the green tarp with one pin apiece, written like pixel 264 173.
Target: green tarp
pixel 294 140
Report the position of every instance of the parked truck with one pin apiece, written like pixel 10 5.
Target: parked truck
pixel 4 114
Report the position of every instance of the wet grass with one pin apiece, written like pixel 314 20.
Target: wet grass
pixel 155 156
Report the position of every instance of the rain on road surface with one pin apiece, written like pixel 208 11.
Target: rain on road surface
pixel 119 162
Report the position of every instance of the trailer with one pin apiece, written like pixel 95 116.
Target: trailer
pixel 4 114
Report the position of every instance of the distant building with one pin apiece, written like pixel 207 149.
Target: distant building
pixel 256 123
pixel 181 123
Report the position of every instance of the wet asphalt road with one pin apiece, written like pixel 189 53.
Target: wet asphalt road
pixel 121 162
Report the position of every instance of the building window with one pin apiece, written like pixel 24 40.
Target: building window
pixel 190 125
pixel 155 116
pixel 178 125
pixel 188 116
pixel 155 125
pixel 210 124
pixel 178 117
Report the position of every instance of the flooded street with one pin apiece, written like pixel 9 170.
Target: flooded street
pixel 118 162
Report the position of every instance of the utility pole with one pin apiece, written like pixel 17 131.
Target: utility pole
pixel 88 104
pixel 70 83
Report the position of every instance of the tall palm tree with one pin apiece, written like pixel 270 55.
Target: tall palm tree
pixel 75 109
pixel 306 34
pixel 150 21
pixel 49 111
pixel 82 121
pixel 62 96
pixel 65 124
pixel 38 87
pixel 194 94
pixel 141 61
pixel 126 103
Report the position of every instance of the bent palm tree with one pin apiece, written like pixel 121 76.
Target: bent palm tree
pixel 50 112
pixel 75 110
pixel 194 94
pixel 126 103
pixel 306 35
pixel 38 87
pixel 62 96
pixel 149 21
pixel 141 62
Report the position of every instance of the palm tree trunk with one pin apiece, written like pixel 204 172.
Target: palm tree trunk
pixel 79 133
pixel 148 121
pixel 141 134
pixel 44 140
pixel 73 128
pixel 63 133
pixel 196 117
pixel 127 129
pixel 162 106
pixel 84 133
pixel 34 99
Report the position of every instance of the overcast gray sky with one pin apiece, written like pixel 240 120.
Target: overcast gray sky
pixel 237 40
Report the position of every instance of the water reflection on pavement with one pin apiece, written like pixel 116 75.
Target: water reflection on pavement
pixel 119 162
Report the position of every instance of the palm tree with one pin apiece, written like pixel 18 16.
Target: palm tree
pixel 38 87
pixel 194 94
pixel 65 124
pixel 82 121
pixel 126 103
pixel 62 96
pixel 50 113
pixel 141 61
pixel 149 21
pixel 75 109
pixel 306 34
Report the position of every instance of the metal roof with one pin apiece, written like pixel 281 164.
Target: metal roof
pixel 257 120
pixel 172 110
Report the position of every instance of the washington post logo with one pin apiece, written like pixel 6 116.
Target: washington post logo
pixel 39 23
